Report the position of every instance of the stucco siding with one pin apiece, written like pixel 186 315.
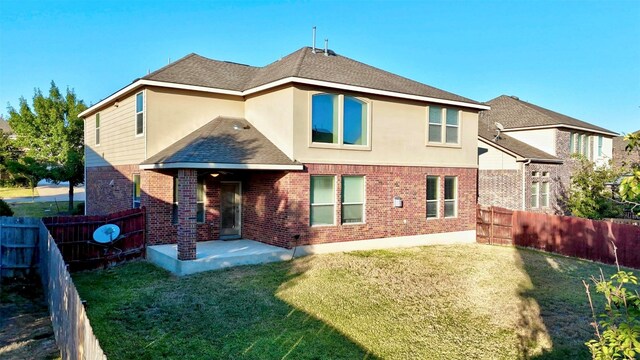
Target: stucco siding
pixel 119 144
pixel 173 114
pixel 272 114
pixel 398 135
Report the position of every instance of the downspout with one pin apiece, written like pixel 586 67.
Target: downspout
pixel 524 185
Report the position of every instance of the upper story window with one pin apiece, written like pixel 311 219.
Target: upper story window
pixel 600 145
pixel 444 126
pixel 98 129
pixel 139 113
pixel 340 120
pixel 579 144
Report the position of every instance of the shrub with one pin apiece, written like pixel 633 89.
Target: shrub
pixel 5 209
pixel 79 209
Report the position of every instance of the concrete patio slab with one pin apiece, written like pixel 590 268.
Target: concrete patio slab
pixel 217 254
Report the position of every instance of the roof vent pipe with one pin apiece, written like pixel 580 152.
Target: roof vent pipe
pixel 313 46
pixel 326 47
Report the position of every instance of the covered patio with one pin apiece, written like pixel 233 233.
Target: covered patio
pixel 215 255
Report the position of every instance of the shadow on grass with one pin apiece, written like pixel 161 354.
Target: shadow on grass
pixel 140 311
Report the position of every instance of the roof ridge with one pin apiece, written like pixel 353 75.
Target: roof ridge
pixel 301 57
pixel 171 64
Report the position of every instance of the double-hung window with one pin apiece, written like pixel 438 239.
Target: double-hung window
pixel 353 194
pixel 450 196
pixel 136 191
pixel 323 197
pixel 98 129
pixel 443 126
pixel 433 196
pixel 544 195
pixel 200 201
pixel 535 190
pixel 139 113
pixel 339 119
pixel 174 212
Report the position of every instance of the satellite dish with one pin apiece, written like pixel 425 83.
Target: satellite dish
pixel 106 233
pixel 499 126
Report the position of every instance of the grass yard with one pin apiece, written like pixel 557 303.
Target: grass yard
pixel 10 192
pixel 42 208
pixel 438 302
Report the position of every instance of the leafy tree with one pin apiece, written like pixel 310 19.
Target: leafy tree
pixel 52 134
pixel 630 185
pixel 8 152
pixel 30 169
pixel 589 197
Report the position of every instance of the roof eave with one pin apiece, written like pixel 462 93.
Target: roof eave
pixel 609 133
pixel 221 166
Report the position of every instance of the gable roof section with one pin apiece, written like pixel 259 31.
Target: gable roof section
pixel 513 146
pixel 223 143
pixel 199 73
pixel 514 113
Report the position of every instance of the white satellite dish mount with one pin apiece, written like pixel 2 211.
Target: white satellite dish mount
pixel 500 129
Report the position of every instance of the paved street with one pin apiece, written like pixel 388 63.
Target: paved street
pixel 51 192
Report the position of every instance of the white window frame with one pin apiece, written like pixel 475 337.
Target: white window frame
pixel 544 202
pixel 143 112
pixel 437 200
pixel 97 129
pixel 443 129
pixel 340 110
pixel 363 203
pixel 133 197
pixel 536 185
pixel 455 197
pixel 600 145
pixel 323 204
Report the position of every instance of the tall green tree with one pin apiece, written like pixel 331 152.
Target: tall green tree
pixel 51 133
pixel 589 196
pixel 30 169
pixel 630 186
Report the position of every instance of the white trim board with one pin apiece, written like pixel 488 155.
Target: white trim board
pixel 612 134
pixel 188 165
pixel 448 238
pixel 292 79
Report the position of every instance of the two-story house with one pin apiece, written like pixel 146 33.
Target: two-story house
pixel 525 154
pixel 314 148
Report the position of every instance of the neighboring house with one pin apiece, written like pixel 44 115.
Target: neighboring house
pixel 313 148
pixel 621 157
pixel 6 128
pixel 529 166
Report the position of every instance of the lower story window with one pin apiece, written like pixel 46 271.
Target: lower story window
pixel 136 191
pixel 544 195
pixel 322 200
pixel 352 199
pixel 450 196
pixel 433 196
pixel 174 213
pixel 535 190
pixel 200 201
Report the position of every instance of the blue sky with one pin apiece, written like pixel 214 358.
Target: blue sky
pixel 580 58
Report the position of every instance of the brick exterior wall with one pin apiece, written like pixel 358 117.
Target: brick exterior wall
pixel 621 157
pixel 275 204
pixel 187 207
pixel 501 188
pixel 109 189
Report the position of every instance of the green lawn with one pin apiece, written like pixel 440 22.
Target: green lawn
pixel 10 192
pixel 41 209
pixel 439 302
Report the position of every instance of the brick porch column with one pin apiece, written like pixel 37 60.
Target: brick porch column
pixel 187 204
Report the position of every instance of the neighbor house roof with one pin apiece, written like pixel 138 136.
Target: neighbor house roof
pixel 487 133
pixel 223 143
pixel 514 113
pixel 303 66
pixel 5 127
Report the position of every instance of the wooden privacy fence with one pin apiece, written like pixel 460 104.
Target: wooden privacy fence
pixel 571 236
pixel 74 234
pixel 18 246
pixel 71 327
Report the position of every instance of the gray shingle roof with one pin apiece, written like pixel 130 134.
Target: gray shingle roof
pixel 197 70
pixel 515 113
pixel 224 140
pixel 487 131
